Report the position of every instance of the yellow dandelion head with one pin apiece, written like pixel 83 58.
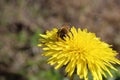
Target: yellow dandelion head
pixel 80 51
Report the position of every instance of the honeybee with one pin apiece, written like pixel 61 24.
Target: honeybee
pixel 62 32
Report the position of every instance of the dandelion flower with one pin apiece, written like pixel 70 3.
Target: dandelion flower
pixel 80 51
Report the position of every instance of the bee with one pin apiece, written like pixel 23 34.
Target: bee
pixel 63 31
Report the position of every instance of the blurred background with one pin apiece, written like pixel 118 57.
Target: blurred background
pixel 21 21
